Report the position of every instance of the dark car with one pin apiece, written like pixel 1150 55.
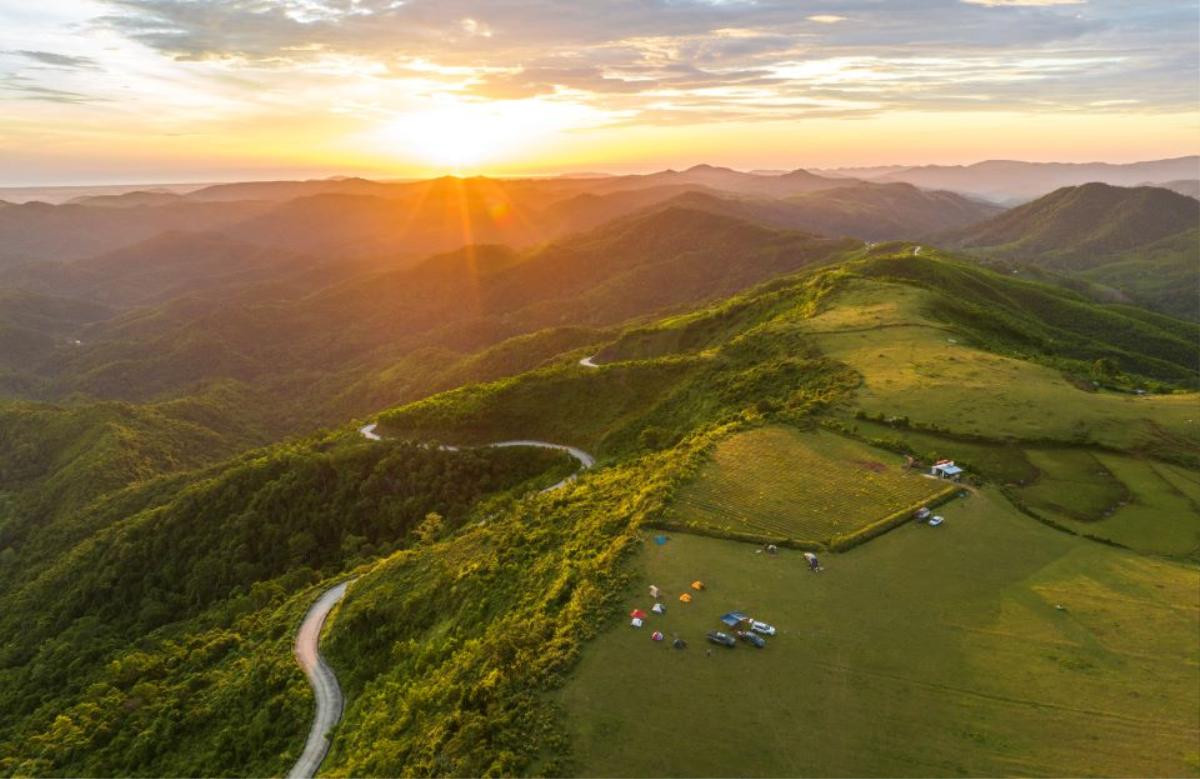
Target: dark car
pixel 724 639
pixel 752 638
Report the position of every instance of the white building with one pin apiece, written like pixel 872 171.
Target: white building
pixel 946 469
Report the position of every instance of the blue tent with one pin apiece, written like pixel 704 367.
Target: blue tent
pixel 660 540
pixel 734 618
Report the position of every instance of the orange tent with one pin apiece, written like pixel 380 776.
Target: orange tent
pixel 697 585
pixel 685 598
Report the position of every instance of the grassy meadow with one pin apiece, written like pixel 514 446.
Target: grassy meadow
pixel 917 367
pixel 1145 505
pixel 928 652
pixel 807 486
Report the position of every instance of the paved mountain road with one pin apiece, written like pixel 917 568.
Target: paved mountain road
pixel 326 691
pixel 321 678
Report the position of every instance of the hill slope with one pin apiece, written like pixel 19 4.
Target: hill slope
pixel 1075 227
pixel 462 301
pixel 1147 235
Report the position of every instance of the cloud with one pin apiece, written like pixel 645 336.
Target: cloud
pixel 25 89
pixel 58 60
pixel 665 60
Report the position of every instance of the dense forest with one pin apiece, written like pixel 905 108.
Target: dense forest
pixel 137 650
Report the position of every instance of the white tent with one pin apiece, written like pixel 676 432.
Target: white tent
pixel 636 622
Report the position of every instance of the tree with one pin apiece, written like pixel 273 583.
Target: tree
pixel 429 528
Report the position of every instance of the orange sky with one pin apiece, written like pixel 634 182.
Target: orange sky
pixel 156 90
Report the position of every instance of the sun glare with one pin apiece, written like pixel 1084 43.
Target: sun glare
pixel 457 135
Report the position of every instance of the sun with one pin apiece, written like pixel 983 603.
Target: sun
pixel 455 136
pixel 463 135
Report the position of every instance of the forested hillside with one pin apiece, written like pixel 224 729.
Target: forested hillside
pixel 308 335
pixel 157 641
pixel 1139 241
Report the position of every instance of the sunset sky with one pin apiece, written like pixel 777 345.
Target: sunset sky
pixel 98 91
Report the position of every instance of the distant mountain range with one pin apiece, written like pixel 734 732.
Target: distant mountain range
pixel 1008 181
pixel 1144 241
pixel 355 217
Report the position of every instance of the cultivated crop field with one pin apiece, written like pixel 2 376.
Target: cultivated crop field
pixel 809 486
pixel 927 652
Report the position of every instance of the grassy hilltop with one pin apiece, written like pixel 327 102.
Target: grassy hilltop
pixel 890 620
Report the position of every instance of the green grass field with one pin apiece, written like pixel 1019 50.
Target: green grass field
pixel 807 486
pixel 928 652
pixel 1074 483
pixel 914 366
pixel 1158 509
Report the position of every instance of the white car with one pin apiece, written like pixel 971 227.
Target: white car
pixel 762 627
pixel 936 520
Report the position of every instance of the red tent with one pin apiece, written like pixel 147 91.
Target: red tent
pixel 637 614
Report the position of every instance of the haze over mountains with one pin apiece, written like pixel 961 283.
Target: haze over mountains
pixel 1012 181
pixel 139 294
pixel 1004 181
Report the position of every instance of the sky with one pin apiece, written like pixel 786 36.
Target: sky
pixel 123 91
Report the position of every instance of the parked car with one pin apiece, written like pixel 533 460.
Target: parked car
pixel 724 639
pixel 762 627
pixel 752 638
pixel 935 520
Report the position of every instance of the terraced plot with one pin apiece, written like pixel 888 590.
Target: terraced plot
pixel 807 486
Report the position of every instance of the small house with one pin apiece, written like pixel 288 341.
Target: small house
pixel 946 469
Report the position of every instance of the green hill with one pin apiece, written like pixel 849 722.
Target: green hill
pixel 1139 241
pixel 1164 275
pixel 146 628
pixel 371 319
pixel 1076 227
pixel 182 582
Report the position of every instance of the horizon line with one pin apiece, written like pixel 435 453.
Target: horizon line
pixel 391 178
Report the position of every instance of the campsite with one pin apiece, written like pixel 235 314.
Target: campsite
pixel 939 682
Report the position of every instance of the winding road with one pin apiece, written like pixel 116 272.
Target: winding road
pixel 328 695
pixel 326 691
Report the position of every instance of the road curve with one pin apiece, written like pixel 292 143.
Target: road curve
pixel 589 362
pixel 324 683
pixel 325 687
pixel 585 460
